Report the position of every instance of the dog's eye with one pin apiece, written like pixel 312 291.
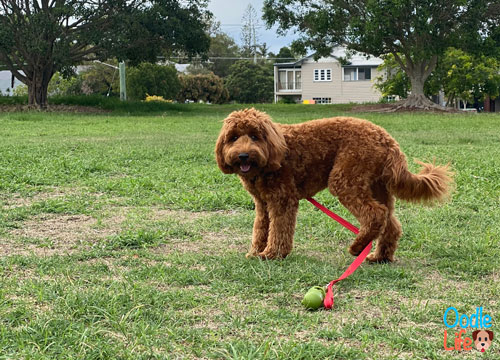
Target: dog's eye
pixel 234 138
pixel 254 138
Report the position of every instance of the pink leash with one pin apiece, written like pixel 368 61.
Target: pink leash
pixel 328 302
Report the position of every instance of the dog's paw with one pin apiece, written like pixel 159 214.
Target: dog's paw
pixel 268 255
pixel 355 249
pixel 374 259
pixel 271 255
pixel 251 254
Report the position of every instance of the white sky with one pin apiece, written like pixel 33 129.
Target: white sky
pixel 229 13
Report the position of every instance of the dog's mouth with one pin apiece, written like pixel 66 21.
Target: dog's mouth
pixel 245 168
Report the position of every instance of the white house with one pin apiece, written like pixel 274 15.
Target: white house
pixel 328 80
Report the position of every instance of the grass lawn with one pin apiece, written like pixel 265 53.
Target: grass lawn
pixel 121 239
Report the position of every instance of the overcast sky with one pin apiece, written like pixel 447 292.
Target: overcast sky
pixel 229 13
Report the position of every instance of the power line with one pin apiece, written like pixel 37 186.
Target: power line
pixel 232 58
pixel 256 25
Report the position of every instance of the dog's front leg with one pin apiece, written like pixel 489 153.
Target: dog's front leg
pixel 282 215
pixel 260 228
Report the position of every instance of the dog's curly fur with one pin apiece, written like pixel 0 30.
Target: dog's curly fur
pixel 359 162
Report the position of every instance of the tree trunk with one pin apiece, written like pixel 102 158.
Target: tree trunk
pixel 38 85
pixel 418 72
pixel 417 99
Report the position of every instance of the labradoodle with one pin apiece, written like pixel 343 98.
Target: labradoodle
pixel 359 162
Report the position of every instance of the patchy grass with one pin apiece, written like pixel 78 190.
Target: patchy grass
pixel 120 238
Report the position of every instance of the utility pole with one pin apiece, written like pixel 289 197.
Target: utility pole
pixel 123 83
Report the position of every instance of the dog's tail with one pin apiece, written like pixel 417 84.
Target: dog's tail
pixel 432 183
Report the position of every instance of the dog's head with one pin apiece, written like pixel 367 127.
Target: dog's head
pixel 482 339
pixel 249 143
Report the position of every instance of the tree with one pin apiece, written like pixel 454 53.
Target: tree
pixel 223 49
pixel 152 79
pixel 416 33
pixel 222 46
pixel 249 36
pixel 285 55
pixel 38 38
pixel 99 79
pixel 461 76
pixel 468 77
pixel 250 83
pixel 394 80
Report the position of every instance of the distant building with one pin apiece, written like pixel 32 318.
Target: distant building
pixel 328 80
pixel 6 82
pixel 492 105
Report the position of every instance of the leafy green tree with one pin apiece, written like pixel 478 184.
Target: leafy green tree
pixel 460 75
pixel 223 49
pixel 39 38
pixel 416 33
pixel 152 79
pixel 394 81
pixel 468 77
pixel 284 55
pixel 250 83
pixel 59 85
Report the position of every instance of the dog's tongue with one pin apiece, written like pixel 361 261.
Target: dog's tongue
pixel 482 350
pixel 245 167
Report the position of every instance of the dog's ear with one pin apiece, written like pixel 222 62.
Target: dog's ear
pixel 490 334
pixel 276 145
pixel 219 148
pixel 474 334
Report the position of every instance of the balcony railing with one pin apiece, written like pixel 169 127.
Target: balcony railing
pixel 289 86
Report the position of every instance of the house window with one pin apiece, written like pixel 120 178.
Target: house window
pixel 322 100
pixel 357 73
pixel 322 74
pixel 289 80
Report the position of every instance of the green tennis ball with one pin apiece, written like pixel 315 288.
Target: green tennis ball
pixel 314 297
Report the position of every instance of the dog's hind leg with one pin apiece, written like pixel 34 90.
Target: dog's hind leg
pixel 354 192
pixel 388 240
pixel 260 229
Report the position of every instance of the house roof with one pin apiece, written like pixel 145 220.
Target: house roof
pixel 356 59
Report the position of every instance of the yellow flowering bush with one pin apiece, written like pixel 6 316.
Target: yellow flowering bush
pixel 150 98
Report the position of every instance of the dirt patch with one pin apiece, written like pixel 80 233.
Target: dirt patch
pixel 392 107
pixel 53 234
pixel 210 244
pixel 47 235
pixel 16 200
pixel 54 108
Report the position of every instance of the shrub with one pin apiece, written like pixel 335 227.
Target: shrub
pixel 152 79
pixel 93 80
pixel 207 88
pixel 99 79
pixel 250 83
pixel 60 86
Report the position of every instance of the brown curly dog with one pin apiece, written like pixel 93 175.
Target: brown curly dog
pixel 359 162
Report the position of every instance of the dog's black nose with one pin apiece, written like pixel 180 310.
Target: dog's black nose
pixel 243 157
